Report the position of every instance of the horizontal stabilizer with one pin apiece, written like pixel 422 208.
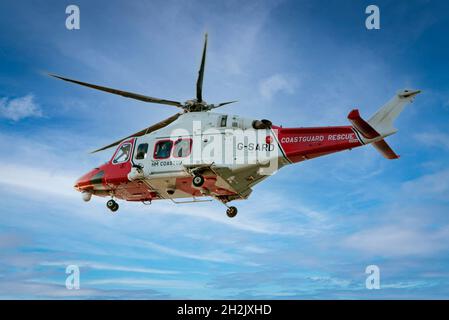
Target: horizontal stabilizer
pixel 385 149
pixel 361 125
pixel 370 133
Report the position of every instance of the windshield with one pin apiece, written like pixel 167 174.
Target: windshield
pixel 123 153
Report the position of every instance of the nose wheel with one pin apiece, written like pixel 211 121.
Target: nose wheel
pixel 112 205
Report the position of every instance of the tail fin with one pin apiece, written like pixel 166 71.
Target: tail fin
pixel 371 135
pixel 382 120
pixel 381 123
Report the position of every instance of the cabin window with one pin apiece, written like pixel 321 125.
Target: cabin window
pixel 162 149
pixel 182 148
pixel 142 150
pixel 223 121
pixel 122 155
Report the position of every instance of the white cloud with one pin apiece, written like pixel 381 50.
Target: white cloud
pixel 19 108
pixel 275 84
pixel 399 240
pixel 110 267
pixel 434 139
pixel 36 179
pixel 330 280
pixel 435 185
pixel 132 282
pixel 213 257
pixel 50 290
pixel 412 226
pixel 406 285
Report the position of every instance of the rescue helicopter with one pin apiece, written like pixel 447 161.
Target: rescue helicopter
pixel 199 153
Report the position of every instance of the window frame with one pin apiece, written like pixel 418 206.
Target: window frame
pixel 118 150
pixel 190 140
pixel 155 147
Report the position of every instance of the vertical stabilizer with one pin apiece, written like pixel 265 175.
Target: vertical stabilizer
pixel 382 121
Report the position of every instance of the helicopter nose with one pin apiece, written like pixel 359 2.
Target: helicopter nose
pixel 89 180
pixel 83 182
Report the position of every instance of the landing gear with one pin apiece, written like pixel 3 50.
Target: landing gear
pixel 231 212
pixel 198 180
pixel 112 205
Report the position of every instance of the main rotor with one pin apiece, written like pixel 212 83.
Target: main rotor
pixel 193 105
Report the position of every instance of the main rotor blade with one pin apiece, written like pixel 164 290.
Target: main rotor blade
pixel 223 104
pixel 122 93
pixel 199 82
pixel 152 128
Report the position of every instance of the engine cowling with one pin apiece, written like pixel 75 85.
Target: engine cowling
pixel 262 124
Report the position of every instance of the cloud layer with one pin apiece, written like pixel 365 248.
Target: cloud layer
pixel 19 108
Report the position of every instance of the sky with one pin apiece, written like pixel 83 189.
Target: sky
pixel 308 232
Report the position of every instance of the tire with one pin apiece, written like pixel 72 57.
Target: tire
pixel 231 212
pixel 110 204
pixel 198 180
pixel 115 207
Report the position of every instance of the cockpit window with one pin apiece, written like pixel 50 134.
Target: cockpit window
pixel 162 149
pixel 142 150
pixel 182 148
pixel 123 153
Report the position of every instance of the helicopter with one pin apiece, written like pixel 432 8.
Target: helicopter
pixel 198 153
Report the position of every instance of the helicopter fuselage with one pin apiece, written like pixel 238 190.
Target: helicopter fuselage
pixel 200 153
pixel 226 150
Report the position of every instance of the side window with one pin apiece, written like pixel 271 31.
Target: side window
pixel 123 153
pixel 162 149
pixel 223 121
pixel 182 148
pixel 142 150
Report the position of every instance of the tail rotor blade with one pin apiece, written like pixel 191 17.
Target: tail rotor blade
pixel 199 82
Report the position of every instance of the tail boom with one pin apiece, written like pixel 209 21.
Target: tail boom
pixel 299 144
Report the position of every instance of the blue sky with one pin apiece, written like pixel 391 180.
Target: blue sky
pixel 307 232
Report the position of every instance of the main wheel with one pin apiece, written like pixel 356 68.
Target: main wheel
pixel 115 207
pixel 112 205
pixel 198 180
pixel 231 212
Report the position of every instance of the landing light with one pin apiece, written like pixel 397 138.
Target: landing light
pixel 86 196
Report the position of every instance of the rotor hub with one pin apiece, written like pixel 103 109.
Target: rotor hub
pixel 194 105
